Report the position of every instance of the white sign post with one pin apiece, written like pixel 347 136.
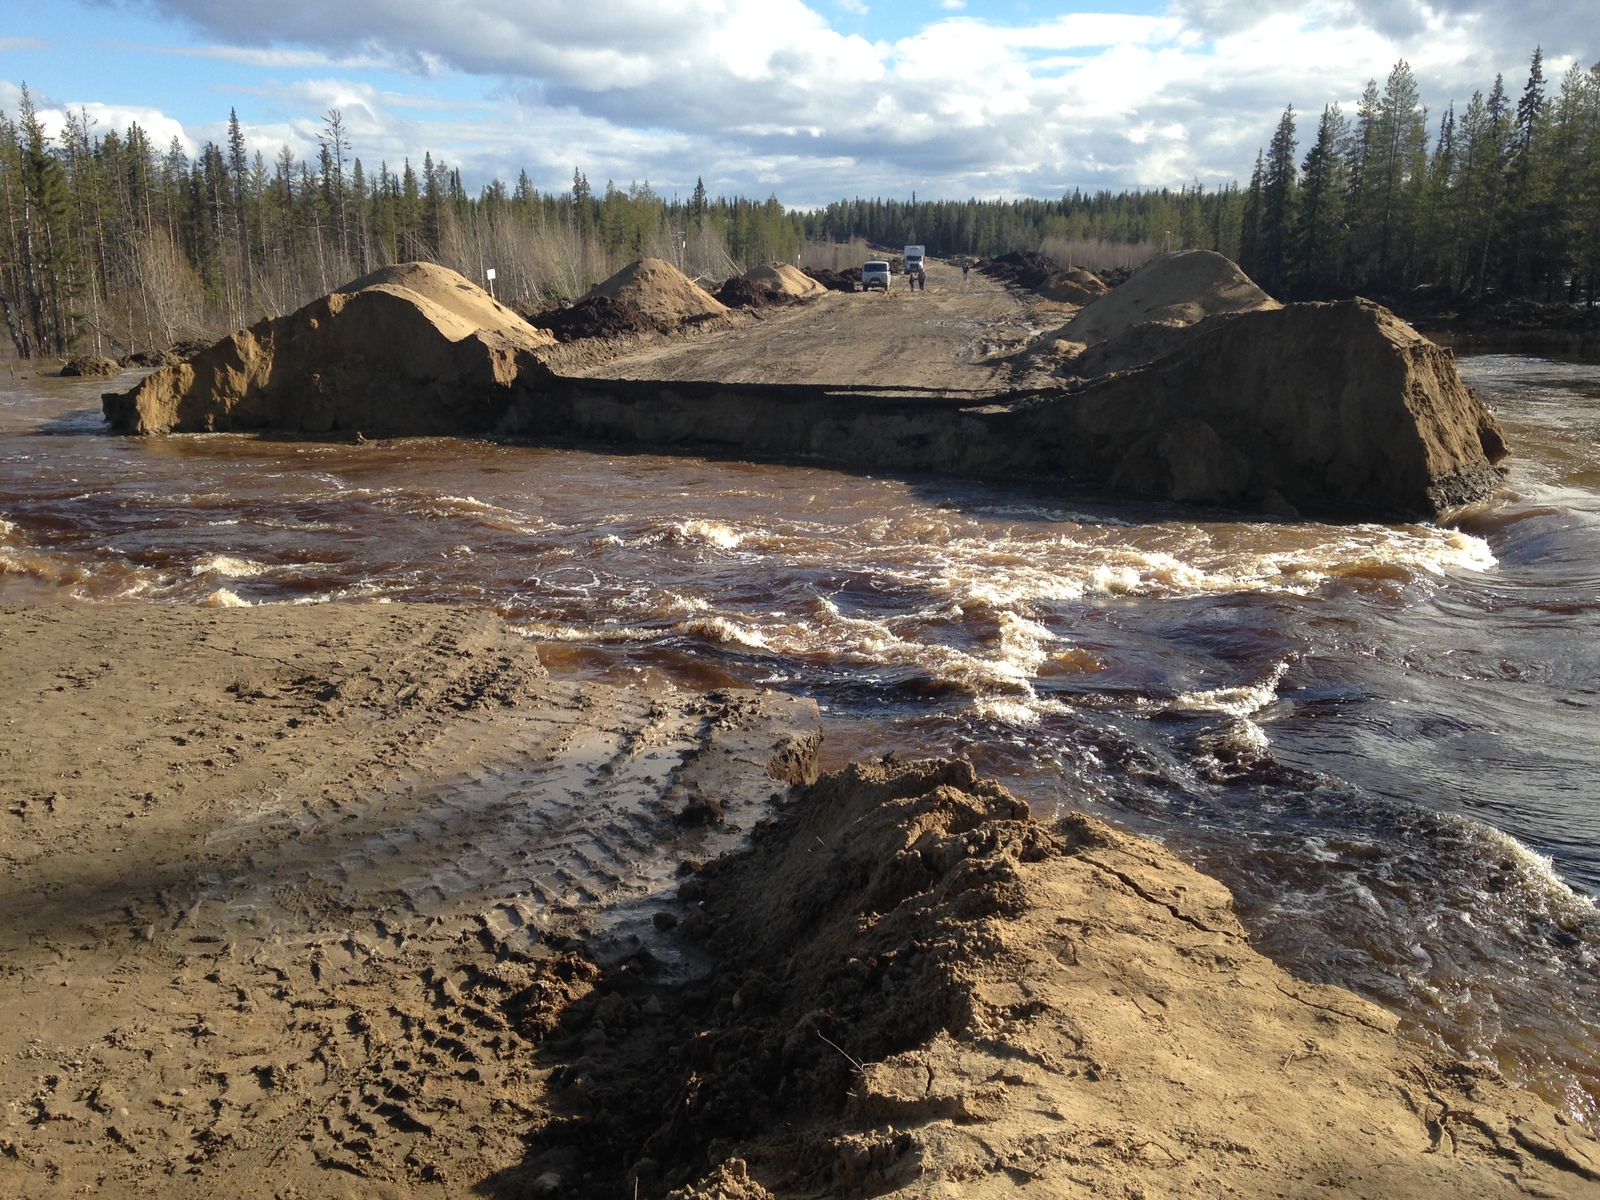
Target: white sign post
pixel 489 275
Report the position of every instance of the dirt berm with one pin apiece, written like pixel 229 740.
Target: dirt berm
pixel 1325 407
pixel 412 348
pixel 918 990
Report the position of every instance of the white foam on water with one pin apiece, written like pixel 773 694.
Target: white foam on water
pixel 224 564
pixel 223 598
pixel 713 533
pixel 723 631
pixel 1238 702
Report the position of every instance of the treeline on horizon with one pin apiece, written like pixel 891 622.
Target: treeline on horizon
pixel 109 241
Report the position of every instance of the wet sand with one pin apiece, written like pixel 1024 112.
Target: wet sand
pixel 356 900
pixel 253 860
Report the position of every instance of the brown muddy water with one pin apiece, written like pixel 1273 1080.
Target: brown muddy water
pixel 1381 737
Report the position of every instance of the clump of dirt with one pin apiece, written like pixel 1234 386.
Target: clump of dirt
pixel 597 317
pixel 848 280
pixel 91 366
pixel 1038 273
pixel 916 986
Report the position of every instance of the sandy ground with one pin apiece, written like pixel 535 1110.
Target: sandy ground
pixel 957 334
pixel 354 900
pixel 271 876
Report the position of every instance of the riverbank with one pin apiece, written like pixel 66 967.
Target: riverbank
pixel 334 899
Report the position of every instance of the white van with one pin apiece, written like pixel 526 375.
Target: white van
pixel 874 274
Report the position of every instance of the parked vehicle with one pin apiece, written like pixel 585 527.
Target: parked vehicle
pixel 915 274
pixel 875 274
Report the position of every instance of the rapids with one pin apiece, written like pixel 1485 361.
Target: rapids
pixel 1381 737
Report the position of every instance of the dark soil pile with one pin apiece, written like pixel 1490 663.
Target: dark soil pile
pixel 91 366
pixel 597 317
pixel 1036 273
pixel 151 358
pixel 740 292
pixel 836 281
pixel 1024 268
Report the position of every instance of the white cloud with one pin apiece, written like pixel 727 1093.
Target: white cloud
pixel 764 93
pixel 953 5
pixel 52 116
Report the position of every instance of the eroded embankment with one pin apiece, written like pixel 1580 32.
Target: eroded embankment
pixel 919 990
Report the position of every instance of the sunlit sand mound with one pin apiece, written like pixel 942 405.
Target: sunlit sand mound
pixel 785 279
pixel 413 348
pixel 662 292
pixel 1175 289
pixel 916 989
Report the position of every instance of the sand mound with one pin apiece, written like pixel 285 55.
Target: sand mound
pixel 662 292
pixel 1176 289
pixel 916 989
pixel 412 348
pixel 785 279
pixel 451 292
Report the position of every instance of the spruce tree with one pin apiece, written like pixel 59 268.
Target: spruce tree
pixel 1278 193
pixel 1319 225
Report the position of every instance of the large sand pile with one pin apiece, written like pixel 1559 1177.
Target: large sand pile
pixel 412 348
pixel 1174 289
pixel 785 279
pixel 662 292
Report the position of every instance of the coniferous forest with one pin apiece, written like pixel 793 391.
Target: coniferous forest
pixel 109 242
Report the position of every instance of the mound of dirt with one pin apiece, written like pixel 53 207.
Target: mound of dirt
pixel 412 348
pixel 917 989
pixel 739 292
pixel 91 366
pixel 662 293
pixel 785 279
pixel 836 281
pixel 768 285
pixel 597 317
pixel 1174 289
pixel 1038 273
pixel 151 358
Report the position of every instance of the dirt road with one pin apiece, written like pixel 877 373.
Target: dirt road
pixel 956 334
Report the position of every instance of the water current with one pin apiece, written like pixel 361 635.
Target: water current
pixel 1382 737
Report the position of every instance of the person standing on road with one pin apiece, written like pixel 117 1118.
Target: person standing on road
pixel 965 266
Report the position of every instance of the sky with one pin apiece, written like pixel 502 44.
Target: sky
pixel 809 101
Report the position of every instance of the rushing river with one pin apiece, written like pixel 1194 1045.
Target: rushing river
pixel 1382 737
